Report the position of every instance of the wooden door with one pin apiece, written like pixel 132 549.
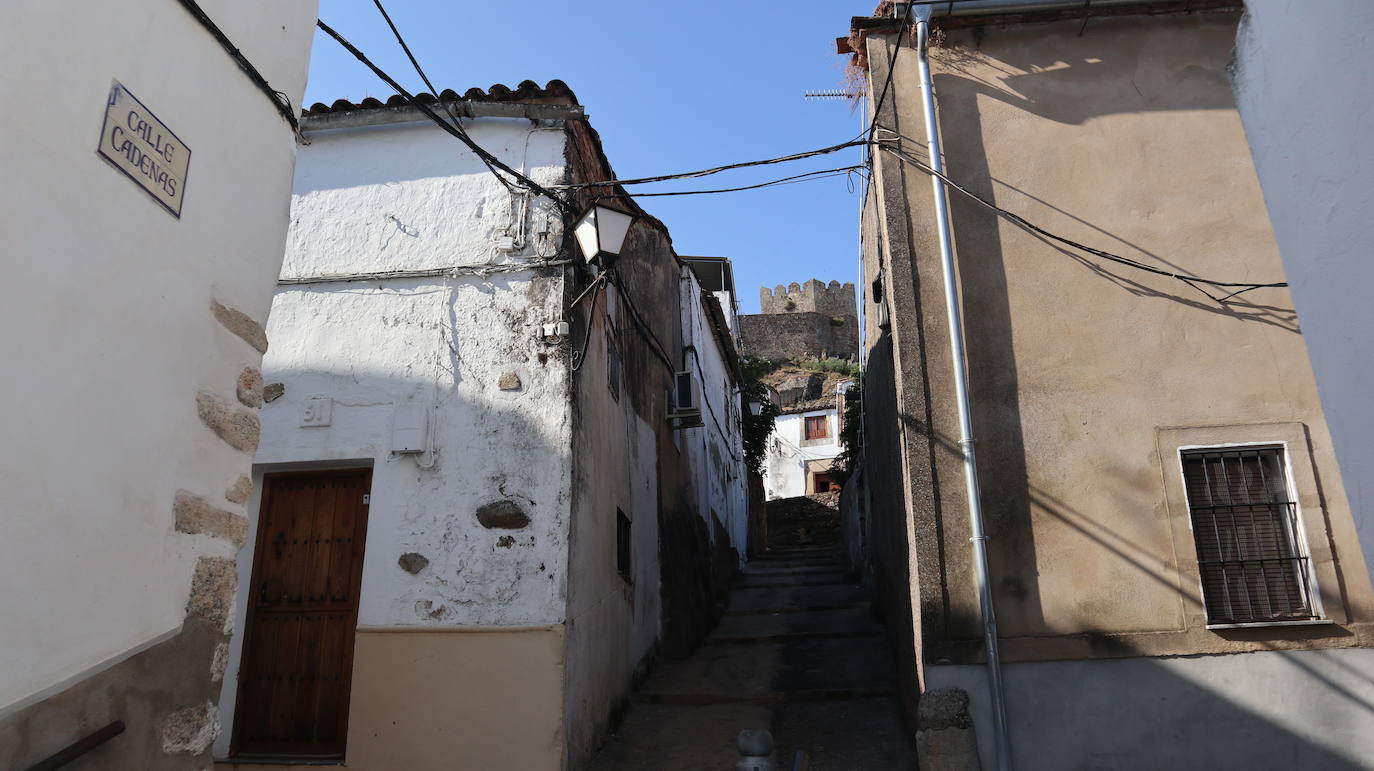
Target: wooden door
pixel 302 613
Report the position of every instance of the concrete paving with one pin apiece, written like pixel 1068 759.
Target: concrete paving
pixel 799 653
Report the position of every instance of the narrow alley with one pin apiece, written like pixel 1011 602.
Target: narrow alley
pixel 798 652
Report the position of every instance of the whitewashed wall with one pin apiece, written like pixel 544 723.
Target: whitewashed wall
pixel 108 334
pixel 1304 82
pixel 402 197
pixel 788 453
pixel 715 450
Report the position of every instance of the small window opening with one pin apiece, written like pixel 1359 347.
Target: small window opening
pixel 622 544
pixel 1245 524
pixel 817 427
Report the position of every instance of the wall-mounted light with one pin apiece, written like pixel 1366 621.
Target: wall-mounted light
pixel 601 233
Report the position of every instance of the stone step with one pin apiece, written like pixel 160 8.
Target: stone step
pixel 800 558
pixel 829 578
pixel 787 570
pixel 783 551
pixel 771 672
pixel 794 598
pixel 855 621
pixel 860 733
pixel 655 737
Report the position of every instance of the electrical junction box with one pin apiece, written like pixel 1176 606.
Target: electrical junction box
pixel 410 430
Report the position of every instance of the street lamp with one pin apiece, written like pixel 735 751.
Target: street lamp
pixel 601 232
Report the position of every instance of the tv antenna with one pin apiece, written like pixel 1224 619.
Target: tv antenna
pixel 829 95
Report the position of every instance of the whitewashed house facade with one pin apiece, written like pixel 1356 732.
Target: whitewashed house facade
pixel 804 445
pixel 475 431
pixel 147 179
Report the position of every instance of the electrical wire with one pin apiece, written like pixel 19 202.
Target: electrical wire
pixel 1240 287
pixel 448 106
pixel 580 357
pixel 279 100
pixel 644 327
pixel 717 169
pixel 481 152
pixel 807 177
pixel 891 68
pixel 449 272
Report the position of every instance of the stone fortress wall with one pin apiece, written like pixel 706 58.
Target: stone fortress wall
pixel 813 296
pixel 813 319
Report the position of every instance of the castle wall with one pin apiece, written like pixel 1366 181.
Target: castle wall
pixel 797 334
pixel 813 296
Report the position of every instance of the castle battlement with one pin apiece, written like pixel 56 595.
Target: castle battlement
pixel 813 296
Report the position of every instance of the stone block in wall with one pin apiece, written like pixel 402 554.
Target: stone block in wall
pixel 239 428
pixel 197 516
pixel 945 739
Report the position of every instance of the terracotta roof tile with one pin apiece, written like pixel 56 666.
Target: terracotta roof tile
pixel 555 92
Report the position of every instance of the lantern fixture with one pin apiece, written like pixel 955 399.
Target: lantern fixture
pixel 601 232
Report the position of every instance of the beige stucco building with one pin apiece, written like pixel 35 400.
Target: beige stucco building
pixel 1174 567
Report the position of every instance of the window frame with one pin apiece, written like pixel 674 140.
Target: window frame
pixel 806 427
pixel 1311 514
pixel 1296 534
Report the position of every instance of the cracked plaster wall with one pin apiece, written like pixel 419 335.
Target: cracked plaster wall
pixel 389 199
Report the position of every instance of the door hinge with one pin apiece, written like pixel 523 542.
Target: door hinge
pixel 367 499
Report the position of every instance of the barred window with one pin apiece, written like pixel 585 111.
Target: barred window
pixel 1245 525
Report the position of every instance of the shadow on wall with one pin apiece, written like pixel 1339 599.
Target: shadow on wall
pixel 1040 63
pixel 1267 710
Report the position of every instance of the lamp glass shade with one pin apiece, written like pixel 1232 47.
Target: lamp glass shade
pixel 602 230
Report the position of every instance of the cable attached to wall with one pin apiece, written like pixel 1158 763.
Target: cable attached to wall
pixel 1196 282
pixel 279 100
pixel 459 134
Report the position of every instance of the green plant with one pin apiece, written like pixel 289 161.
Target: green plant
pixel 757 428
pixel 828 364
pixel 851 433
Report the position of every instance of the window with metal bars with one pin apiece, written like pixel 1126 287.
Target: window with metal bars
pixel 1245 525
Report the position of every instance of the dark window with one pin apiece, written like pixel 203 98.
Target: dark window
pixel 817 427
pixel 822 482
pixel 622 544
pixel 1245 524
pixel 612 364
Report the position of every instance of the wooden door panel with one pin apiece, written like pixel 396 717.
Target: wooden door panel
pixel 303 608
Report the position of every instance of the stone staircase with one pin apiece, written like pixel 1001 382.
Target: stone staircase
pixel 798 653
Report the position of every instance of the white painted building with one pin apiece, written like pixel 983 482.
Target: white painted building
pixel 1304 83
pixel 804 445
pixel 142 222
pixel 500 482
pixel 715 449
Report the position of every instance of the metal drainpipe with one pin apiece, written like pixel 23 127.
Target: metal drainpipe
pixel 956 345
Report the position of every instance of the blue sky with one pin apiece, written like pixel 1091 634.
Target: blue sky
pixel 671 87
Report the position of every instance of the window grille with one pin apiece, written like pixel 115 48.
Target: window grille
pixel 1245 525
